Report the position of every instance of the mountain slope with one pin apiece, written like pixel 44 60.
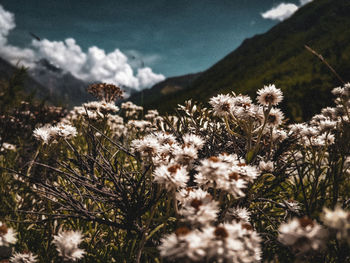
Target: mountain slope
pixel 279 57
pixel 30 85
pixel 61 85
pixel 163 88
pixel 50 83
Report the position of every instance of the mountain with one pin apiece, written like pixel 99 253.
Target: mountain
pixel 163 88
pixel 279 56
pixel 50 83
pixel 30 85
pixel 61 85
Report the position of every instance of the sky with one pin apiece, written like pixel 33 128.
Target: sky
pixel 133 42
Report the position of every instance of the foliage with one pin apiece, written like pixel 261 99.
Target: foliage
pixel 226 183
pixel 278 56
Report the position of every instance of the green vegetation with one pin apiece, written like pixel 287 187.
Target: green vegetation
pixel 231 182
pixel 110 184
pixel 279 57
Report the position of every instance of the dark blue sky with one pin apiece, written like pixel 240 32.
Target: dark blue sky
pixel 173 37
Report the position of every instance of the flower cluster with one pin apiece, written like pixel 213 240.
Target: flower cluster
pixel 234 242
pixel 48 134
pixel 106 92
pixel 67 243
pixel 7 235
pixel 228 183
pixel 303 235
pixel 24 258
pixel 339 221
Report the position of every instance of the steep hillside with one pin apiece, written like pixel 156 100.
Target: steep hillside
pixel 61 85
pixel 164 88
pixel 48 82
pixel 279 57
pixel 30 85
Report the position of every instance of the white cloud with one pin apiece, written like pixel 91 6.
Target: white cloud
pixel 8 52
pixel 280 12
pixel 59 53
pixel 283 10
pixel 304 2
pixel 93 65
pixel 147 78
pixel 7 23
pixel 16 55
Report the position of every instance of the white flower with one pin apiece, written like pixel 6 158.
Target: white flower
pixel 101 107
pixel 329 112
pixel 8 146
pixel 274 118
pixel 23 258
pixel 151 115
pixel 49 133
pixel 189 193
pixel 253 111
pixel 186 155
pixel 92 105
pixel 67 245
pixel 227 173
pixel 235 242
pixel 7 235
pixel 131 110
pixel 210 170
pixel 165 153
pixel 193 140
pixel 222 104
pixel 326 138
pixel 131 106
pixel 43 133
pixel 232 182
pixel 339 220
pixel 246 172
pixel 278 135
pixel 238 214
pixel 165 138
pixel 266 166
pixel 309 131
pixel 140 125
pixel 64 130
pixel 302 234
pixel 244 109
pixel 108 107
pixel 242 101
pixel 338 91
pixel 297 127
pixel 269 95
pixel 115 119
pixel 184 244
pixel 116 123
pixel 199 208
pixel 148 146
pixel 172 176
pixel 322 140
pixel 231 159
pixel 231 243
pixel 316 119
pixel 328 125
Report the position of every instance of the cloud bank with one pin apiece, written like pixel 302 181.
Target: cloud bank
pixel 11 53
pixel 283 10
pixel 93 65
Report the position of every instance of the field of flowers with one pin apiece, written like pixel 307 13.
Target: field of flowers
pixel 233 182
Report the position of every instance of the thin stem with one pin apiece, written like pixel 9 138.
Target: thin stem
pixel 325 62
